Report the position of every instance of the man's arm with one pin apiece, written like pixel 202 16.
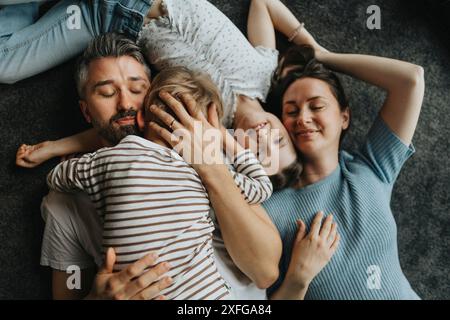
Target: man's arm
pixel 132 283
pixel 251 239
pixel 62 292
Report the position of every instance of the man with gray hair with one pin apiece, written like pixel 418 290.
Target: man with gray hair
pixel 112 80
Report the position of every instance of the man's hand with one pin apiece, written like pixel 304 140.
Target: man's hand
pixel 132 283
pixel 192 136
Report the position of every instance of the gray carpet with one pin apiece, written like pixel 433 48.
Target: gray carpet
pixel 45 107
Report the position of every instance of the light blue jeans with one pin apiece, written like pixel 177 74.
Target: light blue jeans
pixel 29 47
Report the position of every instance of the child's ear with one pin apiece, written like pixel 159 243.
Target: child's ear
pixel 140 120
pixel 84 110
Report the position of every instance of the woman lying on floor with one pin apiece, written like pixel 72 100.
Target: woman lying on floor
pixel 355 187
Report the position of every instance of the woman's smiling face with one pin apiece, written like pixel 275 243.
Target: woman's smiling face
pixel 313 117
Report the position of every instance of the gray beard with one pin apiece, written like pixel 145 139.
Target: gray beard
pixel 113 134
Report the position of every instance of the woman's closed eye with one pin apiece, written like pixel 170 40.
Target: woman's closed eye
pixel 291 110
pixel 317 107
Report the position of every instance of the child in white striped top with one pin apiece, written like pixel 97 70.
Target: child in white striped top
pixel 152 200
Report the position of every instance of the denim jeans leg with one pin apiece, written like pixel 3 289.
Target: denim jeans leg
pixel 16 17
pixel 62 33
pixel 56 37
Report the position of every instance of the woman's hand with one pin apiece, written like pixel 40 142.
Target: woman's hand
pixel 30 156
pixel 310 254
pixel 192 136
pixel 132 283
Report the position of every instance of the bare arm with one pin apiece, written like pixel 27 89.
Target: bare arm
pixel 266 16
pixel 85 141
pixel 30 156
pixel 250 237
pixel 403 81
pixel 62 292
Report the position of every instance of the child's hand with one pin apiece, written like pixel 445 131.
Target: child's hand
pixel 30 156
pixel 230 146
pixel 311 252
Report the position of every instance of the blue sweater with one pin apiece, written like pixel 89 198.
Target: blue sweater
pixel 358 193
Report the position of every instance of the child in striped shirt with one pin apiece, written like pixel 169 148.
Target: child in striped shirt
pixel 150 199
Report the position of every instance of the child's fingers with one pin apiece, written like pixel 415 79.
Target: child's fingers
pixel 20 157
pixel 24 164
pixel 22 149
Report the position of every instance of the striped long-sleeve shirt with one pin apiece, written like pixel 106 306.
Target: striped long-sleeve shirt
pixel 152 200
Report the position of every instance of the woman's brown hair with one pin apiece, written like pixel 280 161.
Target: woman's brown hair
pixel 299 62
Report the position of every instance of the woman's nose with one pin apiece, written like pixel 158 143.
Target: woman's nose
pixel 304 117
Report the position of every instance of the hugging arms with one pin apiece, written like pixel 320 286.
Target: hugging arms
pixel 89 112
pixel 402 74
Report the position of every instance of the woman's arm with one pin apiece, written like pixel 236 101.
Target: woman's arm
pixel 266 16
pixel 403 81
pixel 30 156
pixel 310 254
pixel 250 237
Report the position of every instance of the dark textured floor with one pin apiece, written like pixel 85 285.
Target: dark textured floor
pixel 45 107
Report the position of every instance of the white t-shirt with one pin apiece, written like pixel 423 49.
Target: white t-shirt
pixel 73 236
pixel 197 35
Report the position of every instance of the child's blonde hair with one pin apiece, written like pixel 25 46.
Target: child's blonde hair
pixel 179 80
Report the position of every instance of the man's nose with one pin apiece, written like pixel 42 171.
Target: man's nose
pixel 125 102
